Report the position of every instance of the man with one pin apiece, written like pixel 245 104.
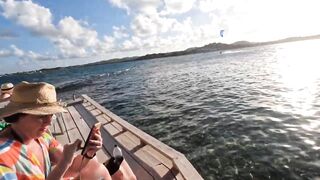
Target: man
pixel 6 91
pixel 27 151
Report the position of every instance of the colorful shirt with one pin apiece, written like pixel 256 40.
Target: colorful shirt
pixel 17 162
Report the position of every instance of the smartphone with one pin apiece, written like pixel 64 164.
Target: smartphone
pixel 95 126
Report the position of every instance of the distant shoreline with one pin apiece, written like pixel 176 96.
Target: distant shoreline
pixel 194 50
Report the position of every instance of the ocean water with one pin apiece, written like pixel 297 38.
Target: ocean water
pixel 250 113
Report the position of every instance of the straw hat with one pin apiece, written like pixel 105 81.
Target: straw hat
pixel 6 86
pixel 32 98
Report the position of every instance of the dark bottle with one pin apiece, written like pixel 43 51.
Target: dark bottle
pixel 114 163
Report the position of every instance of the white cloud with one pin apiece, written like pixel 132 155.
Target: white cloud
pixel 29 55
pixel 133 44
pixel 68 49
pixel 79 35
pixel 263 20
pixel 16 51
pixel 38 57
pixel 4 53
pixel 162 26
pixel 206 5
pixel 222 6
pixel 120 32
pixel 143 25
pixel 148 25
pixel 37 18
pixel 141 6
pixel 153 25
pixel 74 39
pixel 71 37
pixel 177 6
pixel 105 46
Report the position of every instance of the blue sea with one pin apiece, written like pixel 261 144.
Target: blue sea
pixel 250 113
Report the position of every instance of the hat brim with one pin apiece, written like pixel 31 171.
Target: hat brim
pixel 35 110
pixel 7 89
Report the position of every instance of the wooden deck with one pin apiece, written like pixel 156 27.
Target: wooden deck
pixel 148 157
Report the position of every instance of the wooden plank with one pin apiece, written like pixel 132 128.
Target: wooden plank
pixel 84 131
pixel 179 160
pixel 186 168
pixel 132 137
pixel 63 138
pixel 146 157
pixel 59 124
pixel 72 102
pixel 163 171
pixel 103 118
pixel 51 127
pixel 161 147
pixel 91 107
pixel 74 134
pixel 141 170
pixel 85 104
pixel 79 122
pixel 111 129
pixel 95 112
pixel 70 129
pixel 68 121
pixel 117 125
pixel 177 174
pixel 164 160
pixel 126 142
pixel 55 127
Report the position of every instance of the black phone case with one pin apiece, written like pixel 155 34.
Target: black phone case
pixel 88 138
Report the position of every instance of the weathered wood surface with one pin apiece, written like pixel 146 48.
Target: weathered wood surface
pixel 148 157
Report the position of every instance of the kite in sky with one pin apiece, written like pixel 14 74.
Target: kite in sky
pixel 221 32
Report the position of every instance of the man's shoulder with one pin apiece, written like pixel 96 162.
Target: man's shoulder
pixel 9 150
pixel 5 142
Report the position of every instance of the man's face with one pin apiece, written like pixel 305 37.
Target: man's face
pixel 35 125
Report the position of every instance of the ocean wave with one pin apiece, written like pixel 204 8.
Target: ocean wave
pixel 69 86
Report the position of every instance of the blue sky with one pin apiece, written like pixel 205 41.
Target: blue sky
pixel 44 34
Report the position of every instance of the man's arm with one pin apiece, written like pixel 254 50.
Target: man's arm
pixel 80 163
pixel 65 160
pixel 87 169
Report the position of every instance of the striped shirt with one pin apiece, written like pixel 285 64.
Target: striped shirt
pixel 17 162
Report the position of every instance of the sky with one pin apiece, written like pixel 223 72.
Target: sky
pixel 47 33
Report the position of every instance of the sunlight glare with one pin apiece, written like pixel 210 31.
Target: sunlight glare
pixel 298 68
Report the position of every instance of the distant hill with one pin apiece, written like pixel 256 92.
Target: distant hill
pixel 116 60
pixel 206 48
pixel 221 46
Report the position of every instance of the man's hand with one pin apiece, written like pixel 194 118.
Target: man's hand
pixel 69 150
pixel 95 143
